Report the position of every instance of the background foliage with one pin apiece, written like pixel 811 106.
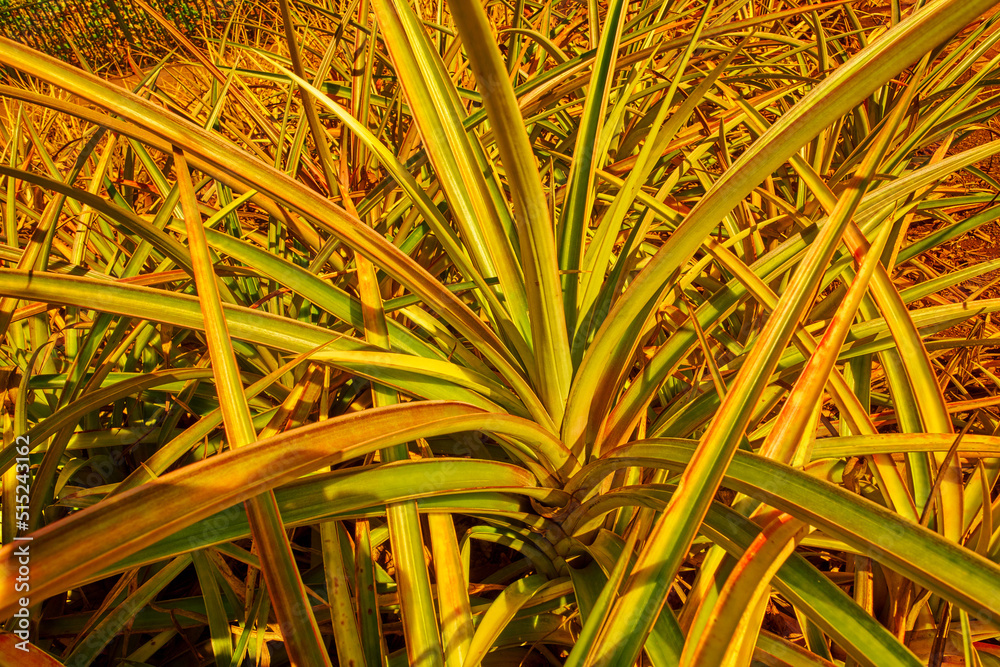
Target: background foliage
pixel 80 32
